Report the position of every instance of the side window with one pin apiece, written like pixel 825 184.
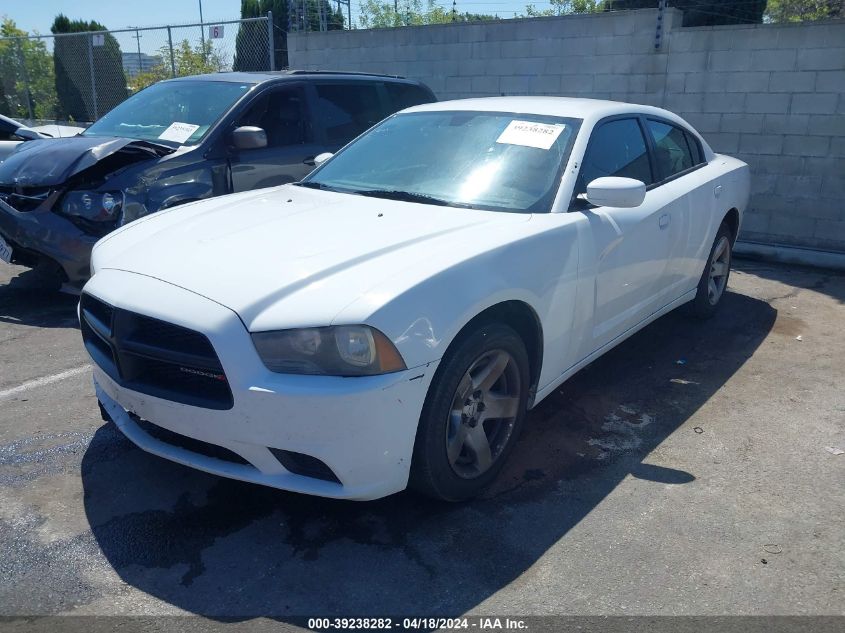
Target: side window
pixel 406 95
pixel 346 110
pixel 280 113
pixel 695 148
pixel 616 148
pixel 671 151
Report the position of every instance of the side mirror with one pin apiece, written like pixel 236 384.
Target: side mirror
pixel 249 137
pixel 28 135
pixel 319 159
pixel 612 191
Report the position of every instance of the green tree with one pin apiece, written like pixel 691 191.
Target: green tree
pixel 566 7
pixel 704 12
pixel 72 70
pixel 251 43
pixel 27 85
pixel 803 10
pixel 376 14
pixel 187 60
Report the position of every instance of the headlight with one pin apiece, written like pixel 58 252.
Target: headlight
pixel 344 350
pixel 102 206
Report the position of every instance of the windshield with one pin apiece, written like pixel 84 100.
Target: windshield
pixel 179 112
pixel 483 160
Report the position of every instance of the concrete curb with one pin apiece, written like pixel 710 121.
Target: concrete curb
pixel 790 255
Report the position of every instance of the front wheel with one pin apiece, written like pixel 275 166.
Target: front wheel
pixel 472 414
pixel 714 278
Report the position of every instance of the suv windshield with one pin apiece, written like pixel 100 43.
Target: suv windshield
pixel 179 112
pixel 484 160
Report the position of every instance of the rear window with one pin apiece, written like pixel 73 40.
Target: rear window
pixel 672 152
pixel 406 95
pixel 346 110
pixel 695 148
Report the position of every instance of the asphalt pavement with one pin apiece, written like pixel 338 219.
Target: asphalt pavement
pixel 690 471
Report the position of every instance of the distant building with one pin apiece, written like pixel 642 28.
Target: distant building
pixel 133 63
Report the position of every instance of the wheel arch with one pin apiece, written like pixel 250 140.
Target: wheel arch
pixel 731 218
pixel 523 319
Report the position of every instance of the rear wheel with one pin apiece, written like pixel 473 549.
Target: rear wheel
pixel 714 278
pixel 472 414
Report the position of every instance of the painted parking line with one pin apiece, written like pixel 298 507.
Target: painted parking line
pixel 45 380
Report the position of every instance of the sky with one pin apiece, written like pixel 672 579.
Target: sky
pixel 37 15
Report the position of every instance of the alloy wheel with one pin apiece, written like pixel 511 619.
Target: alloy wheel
pixel 483 413
pixel 720 265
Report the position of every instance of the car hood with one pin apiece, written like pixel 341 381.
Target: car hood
pixel 290 256
pixel 50 162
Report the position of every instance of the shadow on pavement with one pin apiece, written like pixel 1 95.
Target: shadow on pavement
pixel 27 300
pixel 828 282
pixel 227 549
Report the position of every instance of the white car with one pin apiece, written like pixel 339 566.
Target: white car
pixel 13 133
pixel 390 319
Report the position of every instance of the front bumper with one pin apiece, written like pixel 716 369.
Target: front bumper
pixel 363 429
pixel 50 236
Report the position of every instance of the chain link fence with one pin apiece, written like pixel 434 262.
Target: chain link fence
pixel 78 77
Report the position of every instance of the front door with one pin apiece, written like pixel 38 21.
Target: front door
pixel 283 114
pixel 631 248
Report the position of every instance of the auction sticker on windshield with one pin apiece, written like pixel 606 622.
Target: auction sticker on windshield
pixel 5 251
pixel 531 134
pixel 178 132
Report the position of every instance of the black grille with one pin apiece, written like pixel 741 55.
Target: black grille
pixel 188 443
pixel 154 357
pixel 24 199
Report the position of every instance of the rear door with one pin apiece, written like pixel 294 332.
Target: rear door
pixel 284 114
pixel 689 195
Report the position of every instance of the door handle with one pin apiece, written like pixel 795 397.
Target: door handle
pixel 717 191
pixel 309 161
pixel 664 220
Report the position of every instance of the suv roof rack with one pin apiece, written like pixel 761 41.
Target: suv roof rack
pixel 341 72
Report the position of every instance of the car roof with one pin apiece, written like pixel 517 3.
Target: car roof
pixel 260 77
pixel 590 110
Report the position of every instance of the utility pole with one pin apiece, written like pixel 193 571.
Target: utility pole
pixel 202 33
pixel 658 32
pixel 137 37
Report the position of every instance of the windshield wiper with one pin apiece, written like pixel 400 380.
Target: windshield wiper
pixel 310 184
pixel 389 194
pixel 407 196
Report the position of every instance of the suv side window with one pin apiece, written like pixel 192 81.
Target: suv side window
pixel 672 152
pixel 281 113
pixel 347 109
pixel 406 95
pixel 616 148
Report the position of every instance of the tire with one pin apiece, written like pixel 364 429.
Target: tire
pixel 708 297
pixel 450 461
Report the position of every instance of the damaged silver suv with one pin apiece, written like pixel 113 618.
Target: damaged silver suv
pixel 175 142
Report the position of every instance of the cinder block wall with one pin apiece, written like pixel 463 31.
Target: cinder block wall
pixel 769 94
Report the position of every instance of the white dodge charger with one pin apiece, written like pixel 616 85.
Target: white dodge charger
pixel 389 320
